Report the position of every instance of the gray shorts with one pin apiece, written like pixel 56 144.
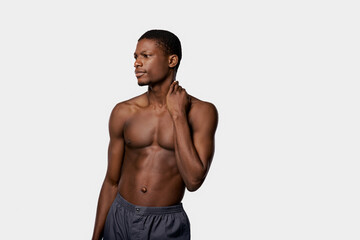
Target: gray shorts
pixel 126 221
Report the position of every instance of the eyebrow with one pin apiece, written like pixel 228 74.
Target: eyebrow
pixel 144 51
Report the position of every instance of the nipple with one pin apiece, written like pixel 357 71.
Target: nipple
pixel 144 189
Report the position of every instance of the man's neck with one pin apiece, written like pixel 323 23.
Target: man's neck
pixel 157 93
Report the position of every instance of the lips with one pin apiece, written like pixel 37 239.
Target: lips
pixel 139 73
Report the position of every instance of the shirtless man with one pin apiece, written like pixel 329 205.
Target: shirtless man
pixel 161 142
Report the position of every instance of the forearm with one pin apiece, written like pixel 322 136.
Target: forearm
pixel 107 195
pixel 190 166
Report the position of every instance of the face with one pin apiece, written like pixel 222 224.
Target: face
pixel 151 63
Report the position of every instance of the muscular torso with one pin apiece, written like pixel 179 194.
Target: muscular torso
pixel 149 173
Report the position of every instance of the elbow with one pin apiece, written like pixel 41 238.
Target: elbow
pixel 194 185
pixel 192 188
pixel 111 182
pixel 195 181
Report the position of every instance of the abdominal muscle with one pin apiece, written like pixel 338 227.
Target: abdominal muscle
pixel 149 177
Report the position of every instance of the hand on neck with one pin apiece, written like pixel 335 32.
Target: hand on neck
pixel 157 92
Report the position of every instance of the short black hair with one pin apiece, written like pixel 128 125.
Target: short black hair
pixel 169 42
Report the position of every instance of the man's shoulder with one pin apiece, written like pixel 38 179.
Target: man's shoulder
pixel 201 110
pixel 198 105
pixel 127 107
pixel 132 103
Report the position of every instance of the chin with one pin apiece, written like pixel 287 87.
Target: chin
pixel 142 83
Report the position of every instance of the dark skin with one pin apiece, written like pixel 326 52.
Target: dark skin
pixel 161 142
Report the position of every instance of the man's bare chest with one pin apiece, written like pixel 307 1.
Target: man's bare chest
pixel 149 128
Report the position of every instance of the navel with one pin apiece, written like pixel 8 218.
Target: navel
pixel 143 189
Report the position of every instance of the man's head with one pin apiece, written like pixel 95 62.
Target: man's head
pixel 167 41
pixel 157 57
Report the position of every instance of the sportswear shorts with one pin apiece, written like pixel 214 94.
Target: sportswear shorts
pixel 126 221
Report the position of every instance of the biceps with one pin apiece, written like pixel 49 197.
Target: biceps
pixel 205 145
pixel 115 158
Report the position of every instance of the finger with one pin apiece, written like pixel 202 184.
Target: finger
pixel 171 89
pixel 176 87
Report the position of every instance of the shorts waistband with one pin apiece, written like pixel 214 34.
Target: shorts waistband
pixel 148 210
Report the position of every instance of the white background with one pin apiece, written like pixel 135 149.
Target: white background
pixel 284 76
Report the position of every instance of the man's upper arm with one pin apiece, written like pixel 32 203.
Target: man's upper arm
pixel 204 124
pixel 116 145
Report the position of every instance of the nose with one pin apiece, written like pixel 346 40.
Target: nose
pixel 137 63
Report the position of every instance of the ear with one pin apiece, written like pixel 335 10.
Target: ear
pixel 173 60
